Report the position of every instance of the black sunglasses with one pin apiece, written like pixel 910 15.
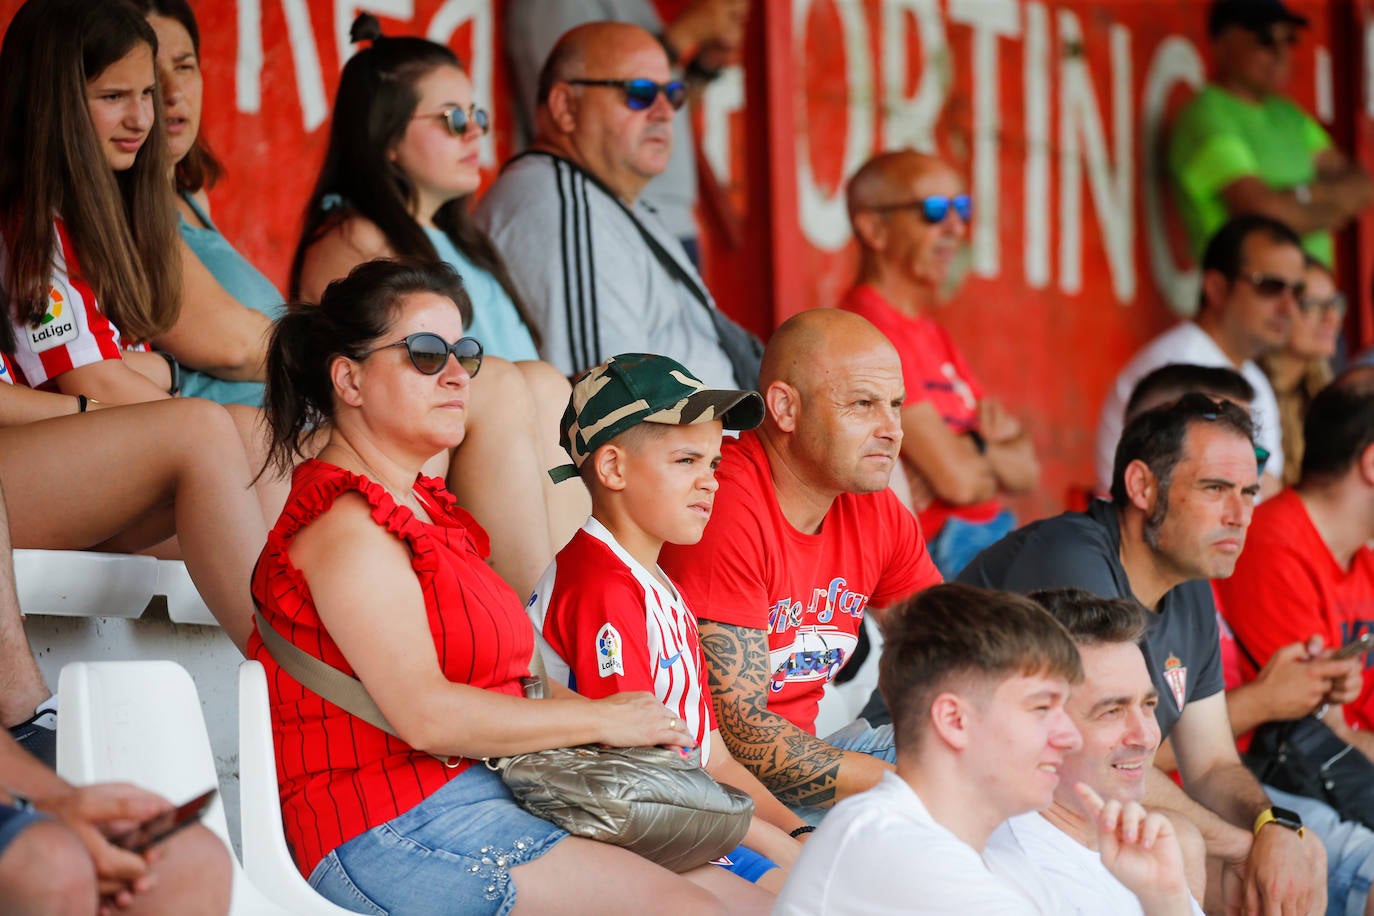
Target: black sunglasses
pixel 935 208
pixel 458 121
pixel 1335 304
pixel 429 352
pixel 640 94
pixel 1271 287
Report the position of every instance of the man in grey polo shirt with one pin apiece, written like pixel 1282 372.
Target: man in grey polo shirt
pixel 601 272
pixel 699 39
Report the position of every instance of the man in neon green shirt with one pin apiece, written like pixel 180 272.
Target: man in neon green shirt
pixel 1241 146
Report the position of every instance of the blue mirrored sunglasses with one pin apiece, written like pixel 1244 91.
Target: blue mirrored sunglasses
pixel 640 94
pixel 935 208
pixel 429 352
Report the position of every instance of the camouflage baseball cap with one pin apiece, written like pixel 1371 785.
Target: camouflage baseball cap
pixel 635 388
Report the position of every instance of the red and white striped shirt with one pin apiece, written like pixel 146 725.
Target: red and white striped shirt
pixel 613 627
pixel 73 332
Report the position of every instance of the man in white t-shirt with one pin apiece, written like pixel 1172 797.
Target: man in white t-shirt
pixel 1114 710
pixel 976 682
pixel 1252 280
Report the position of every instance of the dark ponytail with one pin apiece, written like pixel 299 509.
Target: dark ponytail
pixel 354 313
pixel 373 106
pixel 365 28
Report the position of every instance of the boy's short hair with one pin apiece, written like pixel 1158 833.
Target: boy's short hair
pixel 635 388
pixel 955 632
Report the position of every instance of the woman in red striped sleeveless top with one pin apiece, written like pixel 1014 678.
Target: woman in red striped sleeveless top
pixel 374 569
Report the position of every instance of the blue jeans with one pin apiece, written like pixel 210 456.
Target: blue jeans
pixel 856 736
pixel 13 822
pixel 1349 851
pixel 452 853
pixel 959 541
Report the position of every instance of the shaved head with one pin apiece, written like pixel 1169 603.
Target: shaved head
pixel 812 342
pixel 584 112
pixel 585 48
pixel 905 254
pixel 833 387
pixel 887 178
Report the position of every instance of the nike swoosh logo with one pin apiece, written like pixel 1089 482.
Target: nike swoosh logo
pixel 669 662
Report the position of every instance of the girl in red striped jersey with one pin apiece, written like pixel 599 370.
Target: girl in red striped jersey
pixel 86 213
pixel 124 479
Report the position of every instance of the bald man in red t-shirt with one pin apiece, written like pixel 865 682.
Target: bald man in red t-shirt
pixel 804 540
pixel 962 449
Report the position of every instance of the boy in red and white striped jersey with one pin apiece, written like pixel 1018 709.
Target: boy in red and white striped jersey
pixel 645 435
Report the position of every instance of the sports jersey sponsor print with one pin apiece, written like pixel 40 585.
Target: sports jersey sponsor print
pixel 72 332
pixel 1176 676
pixel 608 632
pixel 58 324
pixel 609 657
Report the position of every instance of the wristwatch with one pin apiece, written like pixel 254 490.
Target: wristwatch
pixel 1283 817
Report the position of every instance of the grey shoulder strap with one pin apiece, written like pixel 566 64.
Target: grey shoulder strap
pixel 345 692
pixel 348 693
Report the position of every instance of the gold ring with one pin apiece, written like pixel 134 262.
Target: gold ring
pixel 672 723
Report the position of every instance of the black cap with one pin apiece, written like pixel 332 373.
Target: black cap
pixel 1255 15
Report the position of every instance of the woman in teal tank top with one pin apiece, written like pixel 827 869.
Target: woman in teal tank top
pixel 402 163
pixel 227 305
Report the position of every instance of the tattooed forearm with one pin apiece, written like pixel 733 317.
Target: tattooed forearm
pixel 798 768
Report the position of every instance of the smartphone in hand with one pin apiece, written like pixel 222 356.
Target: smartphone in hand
pixel 1357 646
pixel 159 827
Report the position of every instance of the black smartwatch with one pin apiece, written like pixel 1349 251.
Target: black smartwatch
pixel 1283 817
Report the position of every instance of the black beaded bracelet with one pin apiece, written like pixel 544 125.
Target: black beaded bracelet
pixel 802 831
pixel 82 402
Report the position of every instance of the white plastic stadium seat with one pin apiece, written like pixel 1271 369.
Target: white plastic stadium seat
pixel 266 859
pixel 184 604
pixel 83 583
pixel 140 722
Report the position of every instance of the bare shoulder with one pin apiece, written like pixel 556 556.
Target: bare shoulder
pixel 344 245
pixel 345 536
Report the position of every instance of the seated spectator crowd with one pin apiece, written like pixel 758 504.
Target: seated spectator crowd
pixel 525 429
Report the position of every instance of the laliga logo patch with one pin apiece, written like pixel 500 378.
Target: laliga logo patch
pixel 1176 676
pixel 58 325
pixel 608 656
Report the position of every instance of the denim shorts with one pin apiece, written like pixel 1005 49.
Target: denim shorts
pixel 1349 851
pixel 13 822
pixel 857 736
pixel 959 541
pixel 452 853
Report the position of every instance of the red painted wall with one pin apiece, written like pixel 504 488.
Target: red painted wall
pixel 1051 110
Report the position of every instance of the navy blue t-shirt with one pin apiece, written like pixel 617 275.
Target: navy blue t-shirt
pixel 1083 550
